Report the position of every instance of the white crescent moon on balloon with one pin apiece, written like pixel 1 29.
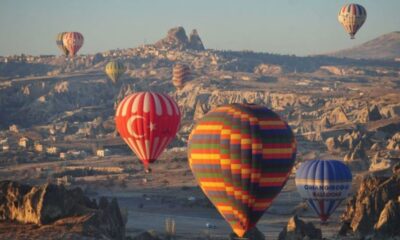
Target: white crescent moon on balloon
pixel 129 126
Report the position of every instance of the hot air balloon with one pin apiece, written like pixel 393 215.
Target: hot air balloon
pixel 73 41
pixel 147 122
pixel 60 44
pixel 323 184
pixel 241 155
pixel 352 17
pixel 180 74
pixel 114 70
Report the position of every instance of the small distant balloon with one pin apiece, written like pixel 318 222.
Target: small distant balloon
pixel 352 17
pixel 180 74
pixel 114 70
pixel 60 44
pixel 324 184
pixel 73 41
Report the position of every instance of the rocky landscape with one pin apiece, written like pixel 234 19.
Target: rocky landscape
pixel 53 212
pixel 57 127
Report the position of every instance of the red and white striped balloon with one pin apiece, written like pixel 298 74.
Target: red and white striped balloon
pixel 73 41
pixel 147 122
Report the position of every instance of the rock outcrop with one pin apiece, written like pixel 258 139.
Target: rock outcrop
pixel 374 209
pixel 332 144
pixel 333 70
pixel 338 116
pixel 265 69
pixel 177 39
pixel 369 114
pixel 297 229
pixel 325 123
pixel 54 205
pixel 195 42
pixel 394 142
pixel 389 219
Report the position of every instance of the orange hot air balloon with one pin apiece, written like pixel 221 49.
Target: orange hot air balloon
pixel 147 122
pixel 73 41
pixel 241 156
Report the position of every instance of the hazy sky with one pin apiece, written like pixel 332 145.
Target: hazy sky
pixel 298 27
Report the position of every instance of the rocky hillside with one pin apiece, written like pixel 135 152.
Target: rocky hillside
pixel 386 46
pixel 56 213
pixel 375 209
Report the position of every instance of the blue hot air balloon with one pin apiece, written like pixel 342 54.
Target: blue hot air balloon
pixel 324 184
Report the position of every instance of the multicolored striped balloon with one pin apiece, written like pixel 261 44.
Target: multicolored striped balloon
pixel 324 184
pixel 241 156
pixel 180 74
pixel 147 122
pixel 114 70
pixel 73 41
pixel 352 17
pixel 60 44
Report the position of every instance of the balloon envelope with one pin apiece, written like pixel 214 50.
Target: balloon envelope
pixel 73 41
pixel 241 156
pixel 60 44
pixel 324 184
pixel 180 74
pixel 147 122
pixel 114 70
pixel 352 17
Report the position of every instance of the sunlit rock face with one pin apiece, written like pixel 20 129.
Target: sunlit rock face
pixel 51 204
pixel 298 229
pixel 374 209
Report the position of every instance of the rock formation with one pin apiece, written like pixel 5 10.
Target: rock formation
pixel 389 219
pixel 394 142
pixel 380 163
pixel 338 116
pixel 265 69
pixel 332 144
pixel 297 229
pixel 357 153
pixel 372 211
pixel 325 123
pixel 195 42
pixel 369 114
pixel 333 70
pixel 177 39
pixel 54 205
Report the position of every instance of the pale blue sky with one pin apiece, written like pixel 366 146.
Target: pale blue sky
pixel 298 27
